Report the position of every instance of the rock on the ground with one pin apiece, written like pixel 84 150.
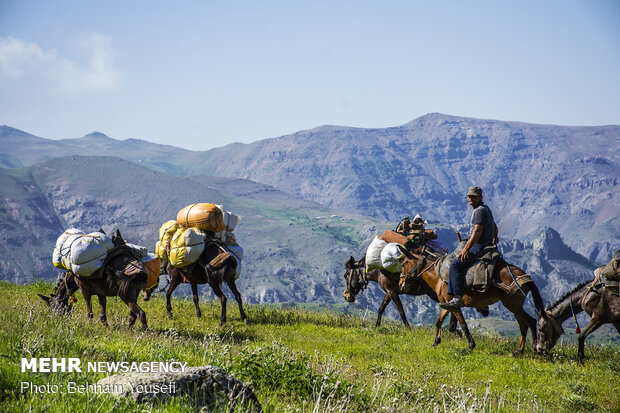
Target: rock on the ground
pixel 209 385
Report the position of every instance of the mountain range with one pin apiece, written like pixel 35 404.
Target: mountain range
pixel 311 199
pixel 533 176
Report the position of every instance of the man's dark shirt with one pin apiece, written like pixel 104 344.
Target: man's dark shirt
pixel 482 215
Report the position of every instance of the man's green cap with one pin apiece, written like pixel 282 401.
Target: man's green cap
pixel 474 191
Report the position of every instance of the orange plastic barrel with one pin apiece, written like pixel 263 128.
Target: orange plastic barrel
pixel 153 268
pixel 207 217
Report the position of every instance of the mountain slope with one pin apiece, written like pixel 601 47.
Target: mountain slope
pixel 534 176
pixel 294 249
pixel 285 239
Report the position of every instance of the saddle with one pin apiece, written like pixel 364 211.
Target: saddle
pixel 480 273
pixel 607 276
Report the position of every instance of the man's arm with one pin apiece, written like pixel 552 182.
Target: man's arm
pixel 495 237
pixel 475 236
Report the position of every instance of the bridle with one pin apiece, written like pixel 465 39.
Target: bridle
pixel 554 324
pixel 359 270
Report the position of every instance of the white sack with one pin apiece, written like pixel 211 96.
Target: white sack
pixel 140 251
pixel 390 257
pixel 373 254
pixel 62 250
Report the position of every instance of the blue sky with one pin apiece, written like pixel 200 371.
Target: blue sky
pixel 204 74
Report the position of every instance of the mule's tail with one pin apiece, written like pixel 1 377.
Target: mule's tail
pixel 129 286
pixel 538 301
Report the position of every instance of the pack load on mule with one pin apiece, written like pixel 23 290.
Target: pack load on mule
pixel 386 252
pixel 83 254
pixel 182 241
pixel 478 276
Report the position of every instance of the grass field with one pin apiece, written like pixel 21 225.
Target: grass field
pixel 297 360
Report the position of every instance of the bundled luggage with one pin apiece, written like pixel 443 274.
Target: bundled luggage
pixel 186 246
pixel 80 253
pixel 153 268
pixel 181 242
pixel 207 217
pixel 384 255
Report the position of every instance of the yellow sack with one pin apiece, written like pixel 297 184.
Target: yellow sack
pixel 165 234
pixel 186 246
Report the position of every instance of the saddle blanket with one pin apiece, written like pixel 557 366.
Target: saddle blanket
pixel 479 274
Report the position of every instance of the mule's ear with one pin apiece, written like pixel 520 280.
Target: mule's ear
pixel 350 263
pixel 119 237
pixel 44 298
pixel 101 230
pixel 548 306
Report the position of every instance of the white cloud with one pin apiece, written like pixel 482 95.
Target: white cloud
pixel 97 75
pixel 94 73
pixel 17 56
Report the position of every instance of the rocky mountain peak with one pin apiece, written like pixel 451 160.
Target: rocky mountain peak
pixel 97 135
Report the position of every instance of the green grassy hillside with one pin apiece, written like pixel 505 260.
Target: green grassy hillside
pixel 298 360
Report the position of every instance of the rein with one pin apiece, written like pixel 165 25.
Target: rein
pixel 362 276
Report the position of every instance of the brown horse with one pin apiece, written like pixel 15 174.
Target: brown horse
pixel 503 277
pixel 109 281
pixel 601 304
pixel 357 279
pixel 201 272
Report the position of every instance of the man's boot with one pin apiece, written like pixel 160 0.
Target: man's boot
pixel 453 305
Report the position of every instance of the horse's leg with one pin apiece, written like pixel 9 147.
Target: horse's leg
pixel 399 305
pixel 102 313
pixel 438 324
pixel 132 316
pixel 217 289
pixel 459 316
pixel 195 298
pixel 525 321
pixel 136 312
pixel 233 287
pixel 87 296
pixel 594 323
pixel 452 326
pixel 384 303
pixel 174 283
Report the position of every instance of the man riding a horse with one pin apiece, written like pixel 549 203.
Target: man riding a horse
pixel 483 233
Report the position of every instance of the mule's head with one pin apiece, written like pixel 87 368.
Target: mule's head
pixel 549 331
pixel 61 299
pixel 353 276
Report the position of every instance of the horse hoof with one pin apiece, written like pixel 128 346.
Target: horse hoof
pixel 169 315
pixel 198 315
pixel 246 321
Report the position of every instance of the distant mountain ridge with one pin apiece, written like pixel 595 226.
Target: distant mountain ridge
pixel 533 176
pixel 294 249
pixel 285 239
